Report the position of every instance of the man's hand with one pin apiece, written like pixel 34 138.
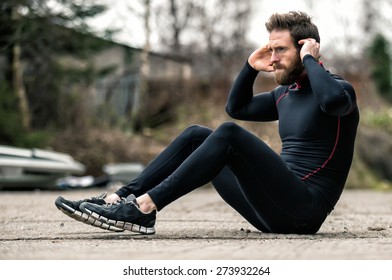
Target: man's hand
pixel 310 46
pixel 260 59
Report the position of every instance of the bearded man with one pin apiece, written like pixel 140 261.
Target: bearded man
pixel 290 192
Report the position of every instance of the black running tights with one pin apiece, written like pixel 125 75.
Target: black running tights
pixel 247 174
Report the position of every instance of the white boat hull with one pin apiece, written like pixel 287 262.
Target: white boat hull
pixel 35 168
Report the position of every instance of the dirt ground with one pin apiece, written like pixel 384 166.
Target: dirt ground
pixel 198 226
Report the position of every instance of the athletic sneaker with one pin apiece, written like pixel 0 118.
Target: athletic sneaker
pixel 124 215
pixel 71 209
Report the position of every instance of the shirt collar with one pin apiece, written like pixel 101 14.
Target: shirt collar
pixel 302 80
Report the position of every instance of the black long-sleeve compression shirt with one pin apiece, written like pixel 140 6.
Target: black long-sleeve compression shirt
pixel 318 118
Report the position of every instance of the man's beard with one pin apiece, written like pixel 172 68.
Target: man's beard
pixel 288 76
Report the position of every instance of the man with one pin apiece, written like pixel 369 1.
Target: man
pixel 288 193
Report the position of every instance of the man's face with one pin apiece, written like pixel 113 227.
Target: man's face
pixel 284 57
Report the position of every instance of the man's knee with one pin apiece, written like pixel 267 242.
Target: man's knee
pixel 197 131
pixel 228 129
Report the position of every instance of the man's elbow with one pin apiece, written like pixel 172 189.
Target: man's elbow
pixel 232 113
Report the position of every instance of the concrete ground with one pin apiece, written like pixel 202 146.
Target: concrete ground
pixel 198 226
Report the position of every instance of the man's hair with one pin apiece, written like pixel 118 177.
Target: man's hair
pixel 298 23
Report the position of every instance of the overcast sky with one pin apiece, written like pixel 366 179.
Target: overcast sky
pixel 337 20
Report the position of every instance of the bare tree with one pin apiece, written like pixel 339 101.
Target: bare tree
pixel 215 26
pixel 137 110
pixel 11 30
pixel 223 25
pixel 17 73
pixel 173 19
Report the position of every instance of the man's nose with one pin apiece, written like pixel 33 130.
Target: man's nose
pixel 274 57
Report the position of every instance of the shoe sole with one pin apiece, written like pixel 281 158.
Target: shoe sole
pixel 84 218
pixel 120 224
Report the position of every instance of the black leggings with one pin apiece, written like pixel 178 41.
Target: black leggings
pixel 246 173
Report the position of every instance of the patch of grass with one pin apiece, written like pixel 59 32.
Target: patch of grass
pixel 380 119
